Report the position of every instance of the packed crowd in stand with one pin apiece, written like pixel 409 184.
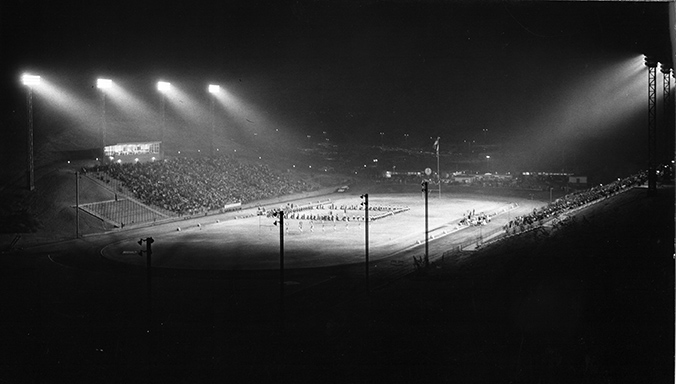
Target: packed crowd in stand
pixel 194 185
pixel 574 200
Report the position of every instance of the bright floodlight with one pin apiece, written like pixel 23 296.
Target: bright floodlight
pixel 104 83
pixel 214 88
pixel 30 80
pixel 163 86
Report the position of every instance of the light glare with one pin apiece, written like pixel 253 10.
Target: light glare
pixel 214 88
pixel 163 86
pixel 30 79
pixel 104 83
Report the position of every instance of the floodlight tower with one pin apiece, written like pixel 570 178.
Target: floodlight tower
pixel 163 87
pixel 667 111
pixel 651 63
pixel 213 89
pixel 103 84
pixel 30 81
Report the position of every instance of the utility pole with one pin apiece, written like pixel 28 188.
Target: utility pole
pixel 425 185
pixel 149 306
pixel 436 146
pixel 148 253
pixel 77 205
pixel 280 222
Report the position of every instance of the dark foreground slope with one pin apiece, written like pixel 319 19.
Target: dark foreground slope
pixel 592 302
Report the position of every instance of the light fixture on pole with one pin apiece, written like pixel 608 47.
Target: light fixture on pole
pixel 103 85
pixel 213 89
pixel 30 81
pixel 163 87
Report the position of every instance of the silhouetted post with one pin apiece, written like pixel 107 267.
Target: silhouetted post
pixel 148 252
pixel 425 186
pixel 436 147
pixel 280 222
pixel 77 205
pixel 281 257
pixel 149 306
pixel 365 203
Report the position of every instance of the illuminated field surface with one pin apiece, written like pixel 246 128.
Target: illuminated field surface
pixel 251 242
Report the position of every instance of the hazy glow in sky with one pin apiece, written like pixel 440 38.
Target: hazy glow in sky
pixel 82 113
pixel 539 76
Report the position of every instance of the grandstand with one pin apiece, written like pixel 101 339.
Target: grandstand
pixel 151 191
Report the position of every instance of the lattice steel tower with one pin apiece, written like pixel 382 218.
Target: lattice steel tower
pixel 651 63
pixel 668 112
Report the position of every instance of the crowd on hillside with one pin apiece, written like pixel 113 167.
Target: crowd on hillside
pixel 194 185
pixel 574 200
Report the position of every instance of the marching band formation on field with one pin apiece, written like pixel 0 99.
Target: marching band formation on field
pixel 331 212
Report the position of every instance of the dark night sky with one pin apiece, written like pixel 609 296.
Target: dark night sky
pixel 357 68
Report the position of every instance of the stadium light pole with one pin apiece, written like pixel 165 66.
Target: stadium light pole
pixel 651 63
pixel 213 89
pixel 103 85
pixel 488 166
pixel 365 203
pixel 163 87
pixel 667 112
pixel 30 81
